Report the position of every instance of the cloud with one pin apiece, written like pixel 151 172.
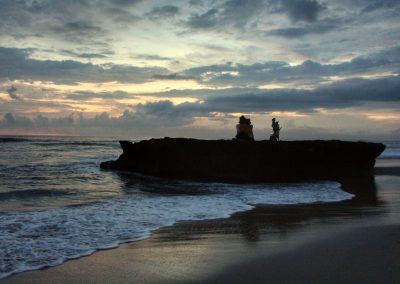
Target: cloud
pixel 77 21
pixel 241 14
pixel 152 57
pixel 378 5
pixel 16 65
pixel 314 27
pixel 148 118
pixel 172 76
pixel 166 113
pixel 125 2
pixel 80 31
pixel 297 32
pixel 121 15
pixel 205 20
pixel 12 92
pixel 87 96
pixel 238 14
pixel 85 55
pixel 338 95
pixel 299 10
pixel 163 118
pixel 11 121
pixel 342 94
pixel 83 26
pixel 162 12
pixel 281 72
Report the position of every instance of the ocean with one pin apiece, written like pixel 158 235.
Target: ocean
pixel 57 204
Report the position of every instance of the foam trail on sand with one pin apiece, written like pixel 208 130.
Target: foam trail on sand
pixel 31 240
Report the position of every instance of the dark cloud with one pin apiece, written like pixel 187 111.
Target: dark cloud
pixel 147 118
pixel 125 2
pixel 303 29
pixel 173 76
pixel 377 5
pixel 91 55
pixel 80 26
pixel 121 15
pixel 80 31
pixel 17 121
pixel 16 65
pixel 299 10
pixel 167 113
pixel 14 18
pixel 205 20
pixel 76 21
pixel 214 47
pixel 163 12
pixel 241 14
pixel 164 118
pixel 343 94
pixel 12 92
pixel 232 13
pixel 307 72
pixel 296 32
pixel 9 119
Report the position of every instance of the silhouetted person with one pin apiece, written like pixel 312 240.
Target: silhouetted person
pixel 244 129
pixel 275 130
pixel 244 120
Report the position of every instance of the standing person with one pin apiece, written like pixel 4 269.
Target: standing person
pixel 275 130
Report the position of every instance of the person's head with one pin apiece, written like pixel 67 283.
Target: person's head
pixel 273 119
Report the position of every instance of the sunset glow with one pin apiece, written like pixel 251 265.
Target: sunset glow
pixel 189 64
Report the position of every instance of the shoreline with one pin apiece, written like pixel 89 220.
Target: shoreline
pixel 364 254
pixel 252 242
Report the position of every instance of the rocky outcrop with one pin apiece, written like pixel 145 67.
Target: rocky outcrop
pixel 246 161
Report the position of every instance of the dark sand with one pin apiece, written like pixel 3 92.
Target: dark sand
pixel 366 255
pixel 356 241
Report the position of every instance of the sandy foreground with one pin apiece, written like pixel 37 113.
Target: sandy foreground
pixel 367 255
pixel 347 242
pixel 363 255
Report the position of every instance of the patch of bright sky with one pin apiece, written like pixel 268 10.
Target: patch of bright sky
pixel 148 87
pixel 384 116
pixel 367 75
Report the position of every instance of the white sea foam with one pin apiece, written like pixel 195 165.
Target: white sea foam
pixel 30 240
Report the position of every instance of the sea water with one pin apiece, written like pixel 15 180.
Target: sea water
pixel 57 204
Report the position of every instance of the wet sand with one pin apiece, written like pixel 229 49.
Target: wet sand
pixel 356 241
pixel 365 255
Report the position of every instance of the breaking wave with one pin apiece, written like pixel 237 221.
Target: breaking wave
pixel 32 240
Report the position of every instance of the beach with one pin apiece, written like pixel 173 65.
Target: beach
pixel 225 141
pixel 353 241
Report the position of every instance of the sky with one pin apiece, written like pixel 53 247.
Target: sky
pixel 140 69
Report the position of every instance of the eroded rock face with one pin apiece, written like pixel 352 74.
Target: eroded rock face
pixel 246 161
